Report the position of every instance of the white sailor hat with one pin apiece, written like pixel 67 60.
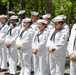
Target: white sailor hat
pixel 57 19
pixel 34 13
pixel 46 16
pixel 64 17
pixel 21 12
pixel 26 20
pixel 11 12
pixel 3 16
pixel 42 21
pixel 14 17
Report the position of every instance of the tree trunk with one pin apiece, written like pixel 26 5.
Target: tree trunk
pixel 9 4
pixel 48 6
pixel 36 5
pixel 22 4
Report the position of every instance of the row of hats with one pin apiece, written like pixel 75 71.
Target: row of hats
pixel 12 17
pixel 22 12
pixel 32 13
pixel 39 21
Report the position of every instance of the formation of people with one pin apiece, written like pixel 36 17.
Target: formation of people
pixel 36 45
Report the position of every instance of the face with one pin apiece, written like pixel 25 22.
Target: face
pixel 3 20
pixel 21 16
pixel 26 24
pixel 41 26
pixel 34 18
pixel 57 25
pixel 13 22
pixel 10 15
pixel 47 19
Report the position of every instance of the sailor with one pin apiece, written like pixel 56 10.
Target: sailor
pixel 56 45
pixel 72 50
pixel 3 32
pixel 39 48
pixel 49 27
pixel 10 44
pixel 21 15
pixel 10 13
pixel 24 46
pixel 47 17
pixel 34 17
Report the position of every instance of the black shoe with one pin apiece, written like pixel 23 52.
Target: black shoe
pixel 32 72
pixel 2 70
pixel 12 74
pixel 18 68
pixel 7 73
pixel 7 64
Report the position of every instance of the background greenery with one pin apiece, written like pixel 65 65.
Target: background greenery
pixel 55 7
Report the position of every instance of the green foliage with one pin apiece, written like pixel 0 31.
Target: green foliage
pixel 66 7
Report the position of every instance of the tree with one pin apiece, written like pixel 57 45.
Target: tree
pixel 48 7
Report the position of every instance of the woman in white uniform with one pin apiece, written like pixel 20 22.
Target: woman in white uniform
pixel 24 46
pixel 39 48
pixel 57 46
pixel 72 50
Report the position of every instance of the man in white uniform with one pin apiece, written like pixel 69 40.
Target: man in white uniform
pixel 49 28
pixel 34 25
pixel 3 32
pixel 10 44
pixel 34 17
pixel 57 46
pixel 72 50
pixel 24 46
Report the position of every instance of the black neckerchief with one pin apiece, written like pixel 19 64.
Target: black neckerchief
pixel 10 30
pixel 25 29
pixel 37 36
pixel 2 26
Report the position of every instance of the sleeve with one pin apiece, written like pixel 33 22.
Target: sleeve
pixel 71 43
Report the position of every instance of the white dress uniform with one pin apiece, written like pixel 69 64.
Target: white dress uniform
pixel 35 28
pixel 10 39
pixel 25 42
pixel 59 44
pixel 3 33
pixel 39 44
pixel 72 49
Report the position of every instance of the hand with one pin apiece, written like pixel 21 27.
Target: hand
pixel 34 52
pixel 18 47
pixel 8 45
pixel 50 49
pixel 72 57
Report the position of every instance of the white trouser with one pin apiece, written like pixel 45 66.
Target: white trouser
pixel 8 55
pixel 12 59
pixel 47 64
pixel 3 56
pixel 39 64
pixel 57 65
pixel 25 63
pixel 72 68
